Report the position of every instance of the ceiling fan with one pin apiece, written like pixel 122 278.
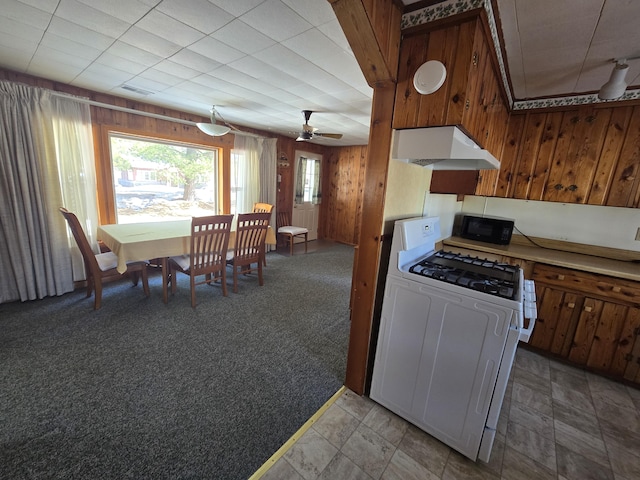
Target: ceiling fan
pixel 308 132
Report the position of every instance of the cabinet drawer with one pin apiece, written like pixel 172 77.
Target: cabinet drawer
pixel 610 288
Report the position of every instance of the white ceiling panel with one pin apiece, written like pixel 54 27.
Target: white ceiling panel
pixel 276 20
pixel 241 36
pixel 199 14
pixel 91 19
pixel 129 11
pixel 160 24
pixel 216 50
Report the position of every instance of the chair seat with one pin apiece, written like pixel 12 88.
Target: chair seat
pixel 184 261
pixel 107 261
pixel 293 230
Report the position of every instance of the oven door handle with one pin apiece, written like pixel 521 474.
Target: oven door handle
pixel 530 310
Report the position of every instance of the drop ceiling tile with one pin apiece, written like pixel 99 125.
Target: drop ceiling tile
pixel 25 14
pixel 241 79
pixel 276 20
pixel 151 83
pixel 333 30
pixel 199 14
pixel 237 7
pixel 110 75
pixel 128 10
pixel 194 60
pixel 173 68
pixel 14 58
pixel 216 50
pixel 71 47
pixel 533 15
pixel 286 59
pixel 50 56
pixel 57 71
pixel 90 18
pixel 313 45
pixel 242 37
pixel 149 42
pixel 133 54
pixel 314 12
pixel 108 59
pixel 158 23
pixel 20 31
pixel 48 6
pixel 79 34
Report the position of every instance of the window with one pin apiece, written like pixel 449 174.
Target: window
pixel 308 181
pixel 156 180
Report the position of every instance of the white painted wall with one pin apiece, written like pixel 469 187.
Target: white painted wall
pixel 613 227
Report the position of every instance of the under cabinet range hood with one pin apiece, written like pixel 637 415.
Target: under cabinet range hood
pixel 441 148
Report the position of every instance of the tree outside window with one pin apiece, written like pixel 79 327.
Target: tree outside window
pixel 156 180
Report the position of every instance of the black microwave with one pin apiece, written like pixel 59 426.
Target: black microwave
pixel 487 229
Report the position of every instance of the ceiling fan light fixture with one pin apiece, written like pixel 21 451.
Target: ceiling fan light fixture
pixel 616 85
pixel 213 128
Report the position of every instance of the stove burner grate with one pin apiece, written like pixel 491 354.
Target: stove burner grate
pixel 478 274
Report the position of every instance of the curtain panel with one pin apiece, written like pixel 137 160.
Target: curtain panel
pixel 46 161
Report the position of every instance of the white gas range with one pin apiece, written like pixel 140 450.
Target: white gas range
pixel 449 330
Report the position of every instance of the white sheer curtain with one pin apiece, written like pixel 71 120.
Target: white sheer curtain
pixel 46 161
pixel 246 173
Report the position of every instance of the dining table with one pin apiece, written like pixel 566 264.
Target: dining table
pixel 143 241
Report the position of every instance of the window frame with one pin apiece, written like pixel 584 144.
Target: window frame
pixel 107 210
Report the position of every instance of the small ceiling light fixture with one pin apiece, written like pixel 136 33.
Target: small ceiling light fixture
pixel 616 85
pixel 213 128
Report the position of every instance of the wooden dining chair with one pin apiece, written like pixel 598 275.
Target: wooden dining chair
pixel 102 265
pixel 251 232
pixel 263 208
pixel 289 232
pixel 207 255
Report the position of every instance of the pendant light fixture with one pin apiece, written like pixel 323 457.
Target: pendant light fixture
pixel 616 85
pixel 213 128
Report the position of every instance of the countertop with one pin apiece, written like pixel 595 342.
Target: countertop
pixel 578 261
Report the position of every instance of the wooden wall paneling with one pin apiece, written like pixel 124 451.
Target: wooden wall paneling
pixel 556 182
pixel 587 142
pixel 510 155
pixel 531 140
pixel 612 145
pixel 544 157
pixel 480 69
pixel 458 76
pixel 412 55
pixel 625 188
pixel 432 107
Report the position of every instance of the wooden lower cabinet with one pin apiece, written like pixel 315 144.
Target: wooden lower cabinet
pixel 581 320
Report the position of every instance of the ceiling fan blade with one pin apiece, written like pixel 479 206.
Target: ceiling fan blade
pixel 336 136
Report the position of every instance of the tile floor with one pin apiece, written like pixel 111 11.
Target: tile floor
pixel 557 422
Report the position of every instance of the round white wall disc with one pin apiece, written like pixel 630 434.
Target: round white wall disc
pixel 429 77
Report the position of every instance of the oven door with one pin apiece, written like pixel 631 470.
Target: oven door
pixel 438 359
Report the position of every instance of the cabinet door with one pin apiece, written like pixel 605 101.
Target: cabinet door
pixel 585 331
pixel 629 362
pixel 557 320
pixel 607 337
